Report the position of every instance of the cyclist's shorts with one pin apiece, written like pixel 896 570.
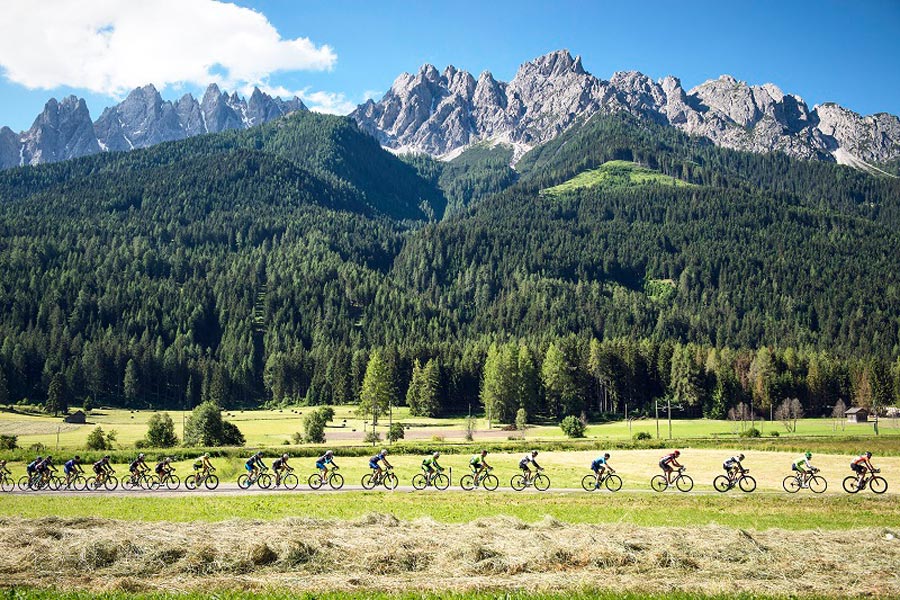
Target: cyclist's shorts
pixel 595 467
pixel 320 466
pixel 98 470
pixel 248 466
pixel 197 467
pixel 373 465
pixel 67 470
pixel 524 465
pixel 795 468
pixel 428 468
pixel 726 466
pixel 858 468
pixel 664 466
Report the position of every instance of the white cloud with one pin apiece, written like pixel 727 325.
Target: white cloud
pixel 333 103
pixel 112 46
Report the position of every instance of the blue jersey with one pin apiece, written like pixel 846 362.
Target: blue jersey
pixel 70 465
pixel 324 460
pixel 597 463
pixel 378 457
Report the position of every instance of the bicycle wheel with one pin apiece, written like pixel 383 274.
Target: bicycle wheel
pixel 152 483
pixel 173 482
pixel 878 485
pixel 211 482
pixel 684 483
pixel 791 484
pixel 440 481
pixel 79 484
pixel 817 484
pixel 190 482
pixel 467 482
pixel 90 483
pixel 390 481
pixel 614 483
pixel 490 482
pixel 314 481
pixel 7 484
pixel 244 482
pixel 517 482
pixel 54 483
pixel 367 481
pixel 290 481
pixel 541 482
pixel 722 483
pixel 419 482
pixel 264 481
pixel 589 483
pixel 850 484
pixel 129 483
pixel 336 481
pixel 111 483
pixel 24 483
pixel 747 483
pixel 659 483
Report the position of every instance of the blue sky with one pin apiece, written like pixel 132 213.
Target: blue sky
pixel 336 53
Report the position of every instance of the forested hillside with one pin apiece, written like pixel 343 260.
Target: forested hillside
pixel 271 264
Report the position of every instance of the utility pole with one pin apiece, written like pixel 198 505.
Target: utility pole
pixel 669 405
pixel 656 402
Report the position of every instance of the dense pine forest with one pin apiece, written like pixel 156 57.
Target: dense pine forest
pixel 277 263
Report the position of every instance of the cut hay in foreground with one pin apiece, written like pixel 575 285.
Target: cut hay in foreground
pixel 382 553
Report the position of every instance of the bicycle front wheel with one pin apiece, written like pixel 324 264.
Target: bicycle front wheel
pixel 614 483
pixel 336 481
pixel 79 483
pixel 211 482
pixel 659 483
pixel 791 484
pixel 818 484
pixel 390 481
pixel 722 484
pixel 419 482
pixel 490 482
pixel 264 481
pixel 290 481
pixel 440 481
pixel 747 483
pixel 684 483
pixel 878 485
pixel 467 482
pixel 368 481
pixel 517 482
pixel 850 484
pixel 541 482
pixel 7 485
pixel 111 483
pixel 24 483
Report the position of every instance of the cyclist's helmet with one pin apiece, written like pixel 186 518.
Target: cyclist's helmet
pixel 106 457
pixel 168 459
pixel 868 455
pixel 436 455
pixel 677 453
pixel 740 456
pixel 206 455
pixel 329 453
pixel 383 451
pixel 808 455
pixel 49 458
pixel 40 458
pixel 606 455
pixel 534 453
pixel 141 455
pixel 284 456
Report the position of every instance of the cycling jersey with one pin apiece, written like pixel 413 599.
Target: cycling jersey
pixel 324 460
pixel 597 463
pixel 734 460
pixel 802 463
pixel 254 461
pixel 376 458
pixel 668 459
pixel 278 464
pixel 860 460
pixel 198 464
pixel 69 466
pixel 160 467
pixel 475 461
pixel 135 464
pixel 31 466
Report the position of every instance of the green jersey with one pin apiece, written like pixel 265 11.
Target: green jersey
pixel 476 460
pixel 431 462
pixel 802 462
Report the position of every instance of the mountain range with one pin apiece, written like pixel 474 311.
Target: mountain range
pixel 443 113
pixel 64 129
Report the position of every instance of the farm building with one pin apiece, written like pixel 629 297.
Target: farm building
pixel 857 415
pixel 76 417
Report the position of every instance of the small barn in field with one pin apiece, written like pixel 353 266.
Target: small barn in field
pixel 857 415
pixel 76 417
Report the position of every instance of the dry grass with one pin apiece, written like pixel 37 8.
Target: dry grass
pixel 380 552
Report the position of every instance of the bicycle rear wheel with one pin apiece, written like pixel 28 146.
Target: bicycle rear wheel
pixel 128 484
pixel 722 484
pixel 244 483
pixel 24 483
pixel 614 483
pixel 336 481
pixel 490 482
pixel 314 481
pixel 7 484
pixel 440 481
pixel 850 484
pixel 747 483
pixel 390 481
pixel 659 483
pixel 190 482
pixel 367 481
pixel 419 482
pixel 54 483
pixel 817 484
pixel 517 482
pixel 589 483
pixel 467 482
pixel 879 485
pixel 290 481
pixel 684 483
pixel 791 484
pixel 211 482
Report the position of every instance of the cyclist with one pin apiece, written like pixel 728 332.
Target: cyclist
pixel 600 465
pixel 255 466
pixel 322 464
pixel 3 470
pixel 733 466
pixel 805 468
pixel 45 468
pixel 137 468
pixel 860 465
pixel 31 468
pixel 71 468
pixel 431 467
pixel 102 469
pixel 164 469
pixel 669 463
pixel 373 464
pixel 202 467
pixel 280 466
pixel 523 464
pixel 478 463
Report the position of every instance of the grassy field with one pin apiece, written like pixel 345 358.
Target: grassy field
pixel 615 173
pixel 272 428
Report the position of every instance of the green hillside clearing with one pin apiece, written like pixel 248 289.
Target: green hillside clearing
pixel 615 174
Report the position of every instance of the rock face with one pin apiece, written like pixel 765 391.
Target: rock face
pixel 442 113
pixel 64 129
